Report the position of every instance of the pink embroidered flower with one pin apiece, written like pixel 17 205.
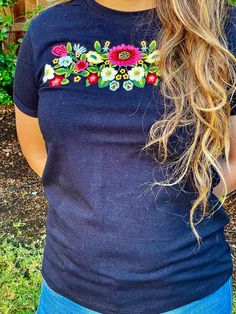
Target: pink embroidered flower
pixel 59 51
pixel 93 78
pixel 124 55
pixel 81 65
pixel 56 81
pixel 152 78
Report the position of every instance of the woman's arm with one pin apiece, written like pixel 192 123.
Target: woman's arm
pixel 230 176
pixel 31 141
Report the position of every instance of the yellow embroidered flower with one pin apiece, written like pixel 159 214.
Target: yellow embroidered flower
pixel 107 43
pixel 77 79
pixel 122 71
pixel 118 77
pixel 94 57
pixel 77 54
pixel 107 62
pixel 76 71
pixel 153 57
pixel 125 76
pixel 140 62
pixel 55 60
pixel 143 43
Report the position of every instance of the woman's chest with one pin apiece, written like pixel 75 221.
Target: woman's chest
pixel 99 85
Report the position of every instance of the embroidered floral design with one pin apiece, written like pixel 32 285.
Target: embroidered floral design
pixel 124 55
pixel 122 66
pixel 81 65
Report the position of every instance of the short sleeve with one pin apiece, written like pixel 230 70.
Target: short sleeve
pixel 230 30
pixel 25 87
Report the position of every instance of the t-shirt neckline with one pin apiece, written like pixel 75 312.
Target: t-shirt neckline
pixel 113 13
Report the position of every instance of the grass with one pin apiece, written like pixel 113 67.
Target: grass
pixel 20 276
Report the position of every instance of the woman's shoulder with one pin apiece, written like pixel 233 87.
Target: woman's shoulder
pixel 57 15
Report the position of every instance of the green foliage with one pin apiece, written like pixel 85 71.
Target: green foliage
pixel 20 275
pixel 7 54
pixel 8 50
pixel 7 3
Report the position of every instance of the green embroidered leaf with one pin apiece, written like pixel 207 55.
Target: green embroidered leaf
pixel 140 83
pixel 144 55
pixel 83 56
pixel 65 81
pixel 93 69
pixel 61 71
pixel 72 67
pixel 152 46
pixel 74 58
pixel 68 47
pixel 145 66
pixel 87 83
pixel 57 66
pixel 68 73
pixel 153 69
pixel 84 73
pixel 97 46
pixel 105 55
pixel 102 66
pixel 102 83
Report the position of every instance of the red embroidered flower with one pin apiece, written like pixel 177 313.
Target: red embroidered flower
pixel 56 81
pixel 59 51
pixel 152 78
pixel 81 65
pixel 93 78
pixel 124 55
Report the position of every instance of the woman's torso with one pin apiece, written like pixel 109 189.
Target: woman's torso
pixel 111 242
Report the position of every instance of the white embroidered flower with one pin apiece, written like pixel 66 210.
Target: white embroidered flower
pixel 94 57
pixel 105 49
pixel 48 73
pixel 79 49
pixel 108 74
pixel 154 56
pixel 144 48
pixel 136 73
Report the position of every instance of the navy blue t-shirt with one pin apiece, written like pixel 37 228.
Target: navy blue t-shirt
pixel 90 75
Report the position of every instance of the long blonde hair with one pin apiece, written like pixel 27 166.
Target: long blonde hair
pixel 200 87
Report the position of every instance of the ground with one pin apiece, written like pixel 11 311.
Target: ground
pixel 22 200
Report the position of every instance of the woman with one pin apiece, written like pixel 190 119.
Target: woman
pixel 125 109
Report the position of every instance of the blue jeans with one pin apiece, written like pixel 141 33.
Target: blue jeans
pixel 219 302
